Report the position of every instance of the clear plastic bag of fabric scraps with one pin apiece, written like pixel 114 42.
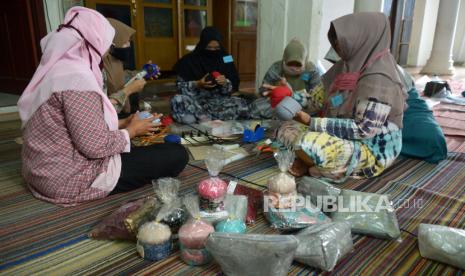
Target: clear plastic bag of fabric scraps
pixel 166 190
pixel 254 201
pixel 323 245
pixel 112 227
pixel 236 206
pixel 154 237
pixel 368 213
pixel 213 189
pixel 296 217
pixel 283 183
pixel 443 244
pixel 321 193
pixel 147 212
pixel 246 254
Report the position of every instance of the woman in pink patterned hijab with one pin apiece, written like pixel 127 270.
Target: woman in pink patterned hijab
pixel 74 148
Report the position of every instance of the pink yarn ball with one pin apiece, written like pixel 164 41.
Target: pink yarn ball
pixel 194 234
pixel 212 188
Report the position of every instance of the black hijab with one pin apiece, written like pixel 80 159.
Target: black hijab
pixel 201 61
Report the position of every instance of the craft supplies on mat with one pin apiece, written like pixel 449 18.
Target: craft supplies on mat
pixel 323 245
pixel 166 190
pixel 147 212
pixel 443 244
pixel 158 137
pixel 236 206
pixel 194 233
pixel 241 254
pixel 112 227
pixel 154 238
pixel 213 189
pixel 375 217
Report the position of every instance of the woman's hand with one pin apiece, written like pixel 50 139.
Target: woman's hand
pixel 134 87
pixel 268 87
pixel 123 123
pixel 138 127
pixel 203 83
pixel 302 117
pixel 221 80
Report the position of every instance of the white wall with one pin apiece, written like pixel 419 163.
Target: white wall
pixel 368 5
pixel 459 44
pixel 278 22
pixel 332 9
pixel 425 15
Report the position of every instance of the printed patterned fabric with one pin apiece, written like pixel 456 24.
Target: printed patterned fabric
pixel 66 145
pixel 215 104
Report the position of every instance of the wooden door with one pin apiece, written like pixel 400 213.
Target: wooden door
pixel 194 15
pixel 22 25
pixel 244 37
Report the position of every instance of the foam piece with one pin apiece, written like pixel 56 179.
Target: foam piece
pixel 240 254
pixel 287 109
pixel 377 222
pixel 443 244
pixel 322 246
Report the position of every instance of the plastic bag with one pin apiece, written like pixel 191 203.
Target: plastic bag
pixel 236 206
pixel 443 244
pixel 369 214
pixel 112 227
pixel 213 189
pixel 283 183
pixel 254 201
pixel 194 233
pixel 295 217
pixel 322 246
pixel 154 238
pixel 240 254
pixel 166 190
pixel 147 212
pixel 316 189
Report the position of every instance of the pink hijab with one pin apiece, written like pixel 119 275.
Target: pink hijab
pixel 68 64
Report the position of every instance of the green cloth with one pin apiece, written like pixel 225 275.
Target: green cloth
pixel 422 136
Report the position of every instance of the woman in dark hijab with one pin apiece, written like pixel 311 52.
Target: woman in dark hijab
pixel 206 78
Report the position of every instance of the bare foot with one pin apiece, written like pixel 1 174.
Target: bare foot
pixel 298 168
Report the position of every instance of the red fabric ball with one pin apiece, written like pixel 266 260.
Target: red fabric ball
pixel 278 94
pixel 166 120
pixel 215 74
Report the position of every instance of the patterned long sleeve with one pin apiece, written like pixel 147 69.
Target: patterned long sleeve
pixel 370 117
pixel 86 124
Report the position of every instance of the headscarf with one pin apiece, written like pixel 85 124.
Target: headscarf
pixel 199 62
pixel 114 67
pixel 364 40
pixel 70 62
pixel 295 51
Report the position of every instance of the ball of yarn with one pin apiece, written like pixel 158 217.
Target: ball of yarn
pixel 194 234
pixel 278 94
pixel 212 188
pixel 171 138
pixel 231 226
pixel 282 183
pixel 154 233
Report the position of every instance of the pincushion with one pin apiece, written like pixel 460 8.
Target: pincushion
pixel 278 94
pixel 212 188
pixel 194 233
pixel 154 241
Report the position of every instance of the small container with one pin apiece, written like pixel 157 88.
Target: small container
pixel 154 241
